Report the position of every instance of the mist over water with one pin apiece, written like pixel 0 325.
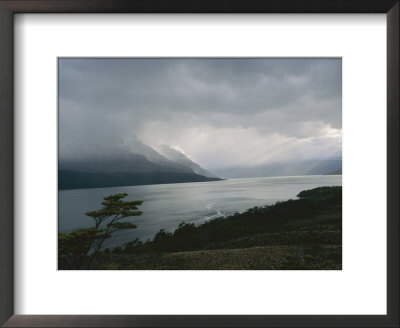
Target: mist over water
pixel 166 206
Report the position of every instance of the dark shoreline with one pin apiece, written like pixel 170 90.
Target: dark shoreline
pixel 69 180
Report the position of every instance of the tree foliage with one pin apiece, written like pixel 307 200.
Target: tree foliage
pixel 78 249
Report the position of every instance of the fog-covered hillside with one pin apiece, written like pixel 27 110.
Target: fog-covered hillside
pixel 292 168
pixel 130 164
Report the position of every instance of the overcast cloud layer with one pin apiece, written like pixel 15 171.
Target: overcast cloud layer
pixel 219 112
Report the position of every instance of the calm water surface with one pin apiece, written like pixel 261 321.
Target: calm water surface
pixel 166 205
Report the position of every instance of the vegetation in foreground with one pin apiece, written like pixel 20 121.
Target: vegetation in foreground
pixel 300 234
pixel 80 248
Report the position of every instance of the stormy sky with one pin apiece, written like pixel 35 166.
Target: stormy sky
pixel 219 112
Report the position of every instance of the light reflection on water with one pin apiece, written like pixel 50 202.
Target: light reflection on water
pixel 166 205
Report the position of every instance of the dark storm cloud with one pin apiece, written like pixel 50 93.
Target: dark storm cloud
pixel 246 103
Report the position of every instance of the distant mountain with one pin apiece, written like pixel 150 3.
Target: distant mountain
pixel 130 164
pixel 135 146
pixel 307 167
pixel 337 172
pixel 122 161
pixel 180 158
pixel 82 180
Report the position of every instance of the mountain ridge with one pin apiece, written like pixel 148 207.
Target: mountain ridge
pixel 132 163
pixel 85 180
pixel 179 157
pixel 304 167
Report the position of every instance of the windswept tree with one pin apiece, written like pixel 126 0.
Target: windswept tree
pixel 79 248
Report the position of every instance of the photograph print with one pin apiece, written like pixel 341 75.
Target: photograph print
pixel 199 164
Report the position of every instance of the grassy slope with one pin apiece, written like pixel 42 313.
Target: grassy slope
pixel 296 234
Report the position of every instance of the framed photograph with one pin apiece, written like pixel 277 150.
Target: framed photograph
pixel 224 142
pixel 199 164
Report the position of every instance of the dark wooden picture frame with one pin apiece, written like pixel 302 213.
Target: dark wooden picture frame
pixel 10 7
